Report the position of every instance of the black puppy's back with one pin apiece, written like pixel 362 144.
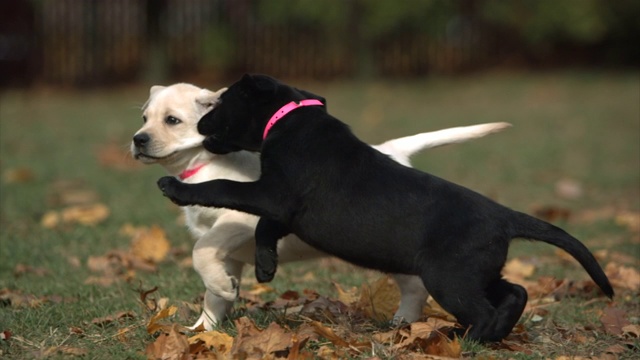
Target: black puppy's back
pixel 367 208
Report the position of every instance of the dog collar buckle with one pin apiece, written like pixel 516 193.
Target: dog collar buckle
pixel 287 109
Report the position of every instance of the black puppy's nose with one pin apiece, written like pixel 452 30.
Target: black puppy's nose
pixel 141 139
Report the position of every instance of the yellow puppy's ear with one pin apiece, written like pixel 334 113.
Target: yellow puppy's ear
pixel 152 91
pixel 219 92
pixel 208 98
pixel 155 88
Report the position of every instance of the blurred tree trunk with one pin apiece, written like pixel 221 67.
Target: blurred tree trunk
pixel 156 68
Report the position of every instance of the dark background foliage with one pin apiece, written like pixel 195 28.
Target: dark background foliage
pixel 78 42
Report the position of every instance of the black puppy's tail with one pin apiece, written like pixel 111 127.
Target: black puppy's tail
pixel 528 227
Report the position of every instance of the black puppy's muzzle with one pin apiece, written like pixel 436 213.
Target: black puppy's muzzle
pixel 216 146
pixel 205 125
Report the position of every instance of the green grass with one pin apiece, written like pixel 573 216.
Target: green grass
pixel 583 126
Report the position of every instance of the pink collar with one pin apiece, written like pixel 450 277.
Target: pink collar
pixel 287 109
pixel 190 172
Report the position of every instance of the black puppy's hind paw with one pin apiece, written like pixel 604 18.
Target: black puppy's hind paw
pixel 169 186
pixel 266 265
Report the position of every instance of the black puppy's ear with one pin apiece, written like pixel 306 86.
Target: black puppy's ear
pixel 311 95
pixel 246 79
pixel 265 83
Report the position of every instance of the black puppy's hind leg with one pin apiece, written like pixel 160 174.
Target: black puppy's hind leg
pixel 488 314
pixel 267 234
pixel 463 296
pixel 509 300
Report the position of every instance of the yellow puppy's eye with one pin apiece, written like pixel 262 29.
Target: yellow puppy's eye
pixel 171 120
pixel 144 119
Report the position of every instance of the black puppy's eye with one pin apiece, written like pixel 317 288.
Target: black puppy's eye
pixel 144 119
pixel 171 120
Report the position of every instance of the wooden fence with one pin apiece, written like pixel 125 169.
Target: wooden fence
pixel 97 42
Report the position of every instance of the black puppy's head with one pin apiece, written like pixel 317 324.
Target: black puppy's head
pixel 239 119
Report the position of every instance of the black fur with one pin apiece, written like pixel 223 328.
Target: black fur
pixel 345 198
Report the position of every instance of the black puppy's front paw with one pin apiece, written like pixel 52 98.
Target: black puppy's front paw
pixel 170 186
pixel 266 264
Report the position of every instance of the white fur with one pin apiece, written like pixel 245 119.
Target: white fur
pixel 225 238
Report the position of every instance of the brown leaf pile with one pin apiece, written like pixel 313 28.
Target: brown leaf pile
pixel 336 330
pixel 277 341
pixel 313 326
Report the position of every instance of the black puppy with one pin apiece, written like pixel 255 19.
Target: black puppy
pixel 345 198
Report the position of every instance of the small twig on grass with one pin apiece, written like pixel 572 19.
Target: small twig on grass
pixel 129 328
pixel 22 340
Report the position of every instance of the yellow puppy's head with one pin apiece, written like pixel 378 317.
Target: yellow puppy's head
pixel 170 119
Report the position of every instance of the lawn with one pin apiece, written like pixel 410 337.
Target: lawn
pixel 71 289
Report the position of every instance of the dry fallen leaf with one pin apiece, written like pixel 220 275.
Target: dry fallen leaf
pixel 516 268
pixel 85 214
pixel 326 352
pixel 71 192
pixel 623 276
pixel 150 244
pixel 328 333
pixel 16 299
pixel 631 331
pixel 629 219
pixel 296 351
pixel 568 189
pixel 433 309
pixel 73 261
pixel 348 296
pixel 420 336
pixel 261 343
pixel 104 281
pixel 259 289
pixel 614 320
pixel 443 346
pixel 615 349
pixel 379 300
pixel 99 263
pixel 543 287
pixel 551 213
pixel 89 214
pixel 218 342
pixel 155 326
pixel 106 320
pixel 246 329
pixel 50 219
pixel 324 308
pixel 169 345
pixel 116 265
pixel 22 269
pixel 76 330
pixel 17 175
